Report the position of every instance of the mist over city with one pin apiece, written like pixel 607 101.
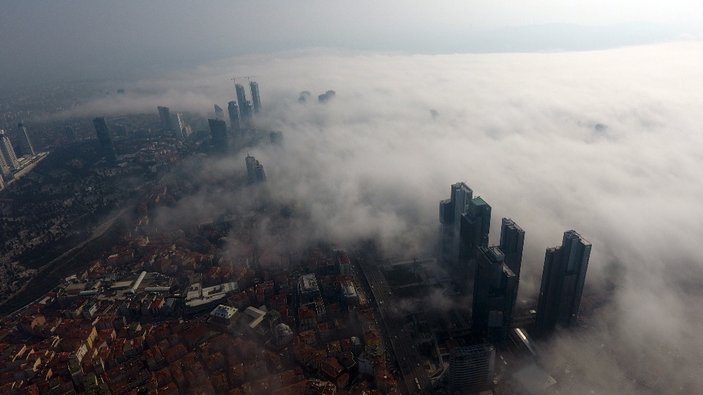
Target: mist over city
pixel 456 200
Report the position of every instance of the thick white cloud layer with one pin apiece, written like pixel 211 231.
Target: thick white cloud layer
pixel 607 142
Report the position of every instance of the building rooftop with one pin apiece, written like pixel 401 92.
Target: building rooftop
pixel 224 312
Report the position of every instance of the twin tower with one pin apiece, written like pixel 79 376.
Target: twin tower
pixel 492 273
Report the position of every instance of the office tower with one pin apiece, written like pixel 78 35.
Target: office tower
pixel 25 144
pixel 7 151
pixel 179 126
pixel 5 169
pixel 219 113
pixel 255 96
pixel 563 279
pixel 450 212
pixel 471 368
pixel 495 290
pixel 474 228
pixel 104 139
pixel 512 239
pixel 218 129
pixel 165 116
pixel 255 170
pixel 244 109
pixel 233 111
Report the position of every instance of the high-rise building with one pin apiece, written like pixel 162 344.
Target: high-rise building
pixel 255 98
pixel 8 151
pixel 218 130
pixel 244 108
pixel 25 144
pixel 165 117
pixel 233 111
pixel 474 228
pixel 563 278
pixel 104 139
pixel 512 240
pixel 2 183
pixel 495 290
pixel 255 170
pixel 219 113
pixel 450 212
pixel 5 169
pixel 471 368
pixel 179 126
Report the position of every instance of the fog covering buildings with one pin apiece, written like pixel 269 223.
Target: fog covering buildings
pixel 218 131
pixel 255 170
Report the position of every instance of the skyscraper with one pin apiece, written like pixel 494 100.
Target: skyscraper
pixel 25 144
pixel 255 170
pixel 233 111
pixel 5 169
pixel 218 130
pixel 7 151
pixel 563 278
pixel 219 113
pixel 2 183
pixel 474 228
pixel 165 117
pixel 450 212
pixel 512 240
pixel 255 98
pixel 104 139
pixel 495 290
pixel 471 368
pixel 244 109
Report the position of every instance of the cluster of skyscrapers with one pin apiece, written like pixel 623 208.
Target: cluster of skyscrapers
pixel 495 270
pixel 240 112
pixel 491 274
pixel 174 123
pixel 9 154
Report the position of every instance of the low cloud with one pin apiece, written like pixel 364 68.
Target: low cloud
pixel 604 142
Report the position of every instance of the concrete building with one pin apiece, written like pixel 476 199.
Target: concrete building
pixel 308 288
pixel 244 108
pixel 105 139
pixel 512 240
pixel 255 98
pixel 563 279
pixel 24 144
pixel 165 117
pixel 450 212
pixel 7 151
pixel 218 131
pixel 471 368
pixel 235 126
pixel 255 170
pixel 495 291
pixel 475 227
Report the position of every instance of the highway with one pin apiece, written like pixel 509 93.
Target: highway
pixel 414 379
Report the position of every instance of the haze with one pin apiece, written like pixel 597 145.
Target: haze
pixel 46 41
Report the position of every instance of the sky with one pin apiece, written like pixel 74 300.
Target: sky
pixel 48 41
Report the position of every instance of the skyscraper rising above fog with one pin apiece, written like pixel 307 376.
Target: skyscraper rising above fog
pixel 474 228
pixel 244 109
pixel 512 240
pixel 563 279
pixel 7 151
pixel 104 139
pixel 495 291
pixel 218 130
pixel 255 98
pixel 165 117
pixel 25 144
pixel 219 113
pixel 450 212
pixel 233 111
